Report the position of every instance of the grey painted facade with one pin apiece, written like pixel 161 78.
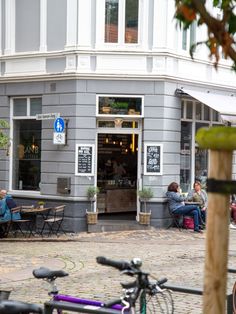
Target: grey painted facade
pixel 55 50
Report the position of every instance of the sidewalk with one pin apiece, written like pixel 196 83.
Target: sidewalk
pixel 179 256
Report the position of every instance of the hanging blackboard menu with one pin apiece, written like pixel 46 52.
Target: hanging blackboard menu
pixel 84 165
pixel 153 159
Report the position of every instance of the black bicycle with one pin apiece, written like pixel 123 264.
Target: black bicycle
pixel 141 296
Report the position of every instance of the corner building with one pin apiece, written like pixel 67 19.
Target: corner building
pixel 119 74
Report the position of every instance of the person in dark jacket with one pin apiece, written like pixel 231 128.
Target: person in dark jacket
pixel 177 205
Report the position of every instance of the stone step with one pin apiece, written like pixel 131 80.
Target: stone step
pixel 116 225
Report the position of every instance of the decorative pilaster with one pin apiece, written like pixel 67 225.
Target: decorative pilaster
pixel 10 27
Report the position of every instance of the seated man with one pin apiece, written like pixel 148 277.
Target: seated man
pixel 6 204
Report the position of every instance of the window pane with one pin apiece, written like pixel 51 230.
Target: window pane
pixel 185 156
pixel 182 109
pixel 198 111
pixel 131 21
pixel 201 160
pixel 193 28
pixel 106 124
pixel 215 115
pixel 111 21
pixel 206 113
pixel 189 110
pixel 120 105
pixel 184 39
pixel 20 107
pixel 35 106
pixel 27 155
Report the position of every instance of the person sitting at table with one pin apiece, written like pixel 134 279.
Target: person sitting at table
pixel 200 196
pixel 177 206
pixel 6 204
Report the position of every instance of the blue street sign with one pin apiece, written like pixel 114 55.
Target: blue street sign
pixel 59 125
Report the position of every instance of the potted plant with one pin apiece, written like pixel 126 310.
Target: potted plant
pixel 144 196
pixel 41 204
pixel 92 192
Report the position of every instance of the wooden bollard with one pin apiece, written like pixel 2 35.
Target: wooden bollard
pixel 221 141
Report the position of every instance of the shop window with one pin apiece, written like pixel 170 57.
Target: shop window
pixel 185 155
pixel 189 110
pixel 198 111
pixel 119 27
pixel 193 160
pixel 26 144
pixel 121 106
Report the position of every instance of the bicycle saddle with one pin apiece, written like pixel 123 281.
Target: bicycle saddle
pixel 17 307
pixel 46 273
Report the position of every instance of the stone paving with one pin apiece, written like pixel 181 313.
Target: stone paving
pixel 179 256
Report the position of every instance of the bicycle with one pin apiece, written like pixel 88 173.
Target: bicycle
pixel 17 307
pixel 141 287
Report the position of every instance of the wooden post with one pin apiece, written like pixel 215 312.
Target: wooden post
pixel 215 276
pixel 221 141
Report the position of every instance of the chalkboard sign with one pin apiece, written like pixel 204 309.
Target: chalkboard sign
pixel 84 165
pixel 152 159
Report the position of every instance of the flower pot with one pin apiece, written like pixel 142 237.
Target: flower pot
pixel 144 218
pixel 92 218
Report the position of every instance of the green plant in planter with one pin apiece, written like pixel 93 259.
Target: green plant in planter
pixel 145 195
pixel 41 203
pixel 92 192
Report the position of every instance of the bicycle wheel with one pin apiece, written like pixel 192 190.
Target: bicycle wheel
pixel 161 302
pixel 234 298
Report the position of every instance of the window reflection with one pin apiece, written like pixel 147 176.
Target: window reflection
pixel 120 105
pixel 27 154
pixel 131 21
pixel 185 156
pixel 111 21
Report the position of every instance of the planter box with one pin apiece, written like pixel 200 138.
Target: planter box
pixel 144 218
pixel 92 218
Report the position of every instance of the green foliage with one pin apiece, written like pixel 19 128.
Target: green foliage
pixel 92 191
pixel 145 193
pixel 221 29
pixel 4 138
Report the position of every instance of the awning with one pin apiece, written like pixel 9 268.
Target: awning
pixel 224 104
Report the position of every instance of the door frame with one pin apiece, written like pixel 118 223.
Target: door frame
pixel 118 130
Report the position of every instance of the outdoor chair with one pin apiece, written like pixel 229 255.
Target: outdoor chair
pixel 24 226
pixel 177 220
pixel 4 228
pixel 53 222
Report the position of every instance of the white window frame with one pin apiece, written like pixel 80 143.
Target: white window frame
pixel 100 27
pixel 125 116
pixel 193 120
pixel 12 118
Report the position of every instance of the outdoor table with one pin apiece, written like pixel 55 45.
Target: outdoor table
pixel 34 213
pixel 191 203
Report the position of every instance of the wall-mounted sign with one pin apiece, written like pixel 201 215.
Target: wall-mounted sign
pixel 47 116
pixel 153 159
pixel 84 159
pixel 59 125
pixel 59 138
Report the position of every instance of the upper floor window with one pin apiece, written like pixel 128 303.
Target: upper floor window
pixel 121 21
pixel 189 36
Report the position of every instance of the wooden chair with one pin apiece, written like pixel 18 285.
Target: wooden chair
pixel 24 226
pixel 54 221
pixel 4 228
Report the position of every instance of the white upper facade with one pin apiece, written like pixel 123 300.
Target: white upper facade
pixel 103 38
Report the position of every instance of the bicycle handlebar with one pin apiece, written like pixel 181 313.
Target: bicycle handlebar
pixel 121 265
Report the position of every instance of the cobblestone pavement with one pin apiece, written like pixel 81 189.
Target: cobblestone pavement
pixel 179 256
